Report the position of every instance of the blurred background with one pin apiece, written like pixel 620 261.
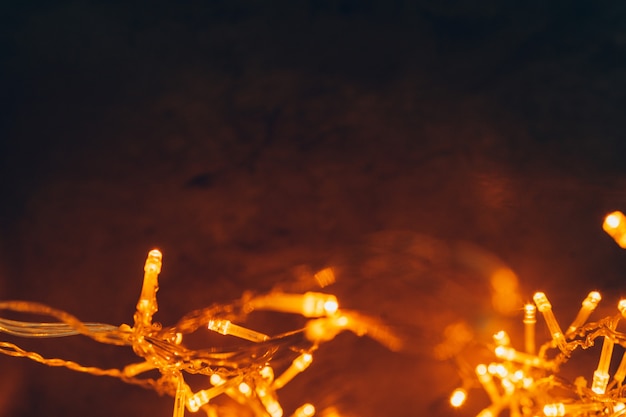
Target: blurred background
pixel 418 147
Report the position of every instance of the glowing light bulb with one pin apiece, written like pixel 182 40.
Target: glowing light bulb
pixel 554 410
pixel 331 306
pixel 226 327
pixel 488 412
pixel 588 305
pixel 601 374
pixel 544 306
pixel 298 365
pixel 458 397
pixel 510 354
pixel 562 409
pixel 530 319
pixel 243 372
pixel 267 373
pixel 310 304
pixel 487 382
pixel 305 410
pixel 615 226
pixel 216 379
pixel 621 306
pixel 138 368
pixel 197 400
pixel 201 398
pixel 245 389
pixel 502 338
pixel 147 304
pixel 274 409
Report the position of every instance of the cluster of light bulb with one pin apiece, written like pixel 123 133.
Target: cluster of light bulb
pixel 250 373
pixel 528 383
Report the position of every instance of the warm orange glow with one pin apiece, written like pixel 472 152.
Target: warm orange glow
pixel 588 305
pixel 615 226
pixel 147 304
pixel 215 379
pixel 518 375
pixel 505 353
pixel 246 373
pixel 305 410
pixel 297 366
pixel 245 389
pixel 509 354
pixel 343 321
pixel 198 400
pixel 456 337
pixel 274 409
pixel 499 370
pixel 310 304
pixel 505 297
pixel 485 413
pixel 331 306
pixel 530 313
pixel 486 380
pixel 481 369
pixel 458 397
pixel 601 374
pixel 554 410
pixel 502 338
pixel 226 327
pixel 330 412
pixel 267 372
pixel 620 374
pixel 302 361
pixel 562 409
pixel 544 306
pixel 621 306
pixel 613 220
pixel 530 320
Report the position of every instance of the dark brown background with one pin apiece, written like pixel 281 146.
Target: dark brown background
pixel 245 139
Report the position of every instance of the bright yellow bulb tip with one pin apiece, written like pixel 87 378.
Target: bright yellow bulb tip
pixel 613 220
pixel 331 306
pixel 245 389
pixel 458 397
pixel 307 410
pixel 481 369
pixel 153 262
pixel 554 410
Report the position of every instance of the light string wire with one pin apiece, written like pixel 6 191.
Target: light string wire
pixel 529 383
pixel 245 373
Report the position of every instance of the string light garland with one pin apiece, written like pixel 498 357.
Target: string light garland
pixel 247 373
pixel 530 383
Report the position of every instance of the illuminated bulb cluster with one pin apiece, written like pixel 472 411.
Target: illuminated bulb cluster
pixel 525 383
pixel 529 384
pixel 246 373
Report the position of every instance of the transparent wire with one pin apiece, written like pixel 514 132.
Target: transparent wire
pixel 246 370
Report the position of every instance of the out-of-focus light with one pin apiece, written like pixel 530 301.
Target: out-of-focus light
pixel 505 298
pixel 305 410
pixel 554 410
pixel 458 397
pixel 544 306
pixel 588 305
pixel 615 226
pixel 530 319
pixel 245 389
